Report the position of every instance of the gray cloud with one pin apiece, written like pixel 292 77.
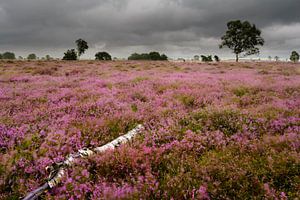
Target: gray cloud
pixel 177 27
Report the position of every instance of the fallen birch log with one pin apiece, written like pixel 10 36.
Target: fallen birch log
pixel 58 170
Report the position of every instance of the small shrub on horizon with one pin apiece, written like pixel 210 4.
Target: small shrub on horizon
pixel 294 56
pixel 102 56
pixel 206 58
pixel 217 59
pixel 70 55
pixel 31 56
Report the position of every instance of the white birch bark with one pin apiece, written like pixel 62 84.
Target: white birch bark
pixel 57 174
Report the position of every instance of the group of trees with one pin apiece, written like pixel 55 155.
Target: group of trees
pixel 72 54
pixel 12 56
pixel 81 47
pixel 243 38
pixel 148 56
pixel 8 55
pixel 208 58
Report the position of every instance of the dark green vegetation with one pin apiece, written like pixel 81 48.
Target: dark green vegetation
pixel 70 55
pixel 8 56
pixel 206 58
pixel 31 56
pixel 242 37
pixel 82 46
pixel 294 56
pixel 102 56
pixel 217 59
pixel 148 56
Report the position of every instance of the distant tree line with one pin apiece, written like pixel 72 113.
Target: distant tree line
pixel 31 56
pixel 148 56
pixel 242 37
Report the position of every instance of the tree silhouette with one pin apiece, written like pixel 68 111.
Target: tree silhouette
pixel 31 56
pixel 294 56
pixel 242 37
pixel 8 55
pixel 70 55
pixel 102 56
pixel 82 46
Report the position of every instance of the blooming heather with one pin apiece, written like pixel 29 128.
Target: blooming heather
pixel 213 131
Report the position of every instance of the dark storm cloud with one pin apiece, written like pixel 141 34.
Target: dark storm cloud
pixel 177 27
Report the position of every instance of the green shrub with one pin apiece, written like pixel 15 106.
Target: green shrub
pixel 245 174
pixel 187 100
pixel 227 121
pixel 240 91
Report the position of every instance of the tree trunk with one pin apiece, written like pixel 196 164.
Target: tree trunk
pixel 59 170
pixel 237 57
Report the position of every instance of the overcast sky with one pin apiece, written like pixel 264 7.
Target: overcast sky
pixel 179 28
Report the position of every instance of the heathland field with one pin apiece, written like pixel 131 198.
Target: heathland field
pixel 212 131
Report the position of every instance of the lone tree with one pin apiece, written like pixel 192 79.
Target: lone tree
pixel 102 56
pixel 31 56
pixel 270 58
pixel 8 55
pixel 70 55
pixel 294 56
pixel 217 59
pixel 242 37
pixel 81 46
pixel 48 57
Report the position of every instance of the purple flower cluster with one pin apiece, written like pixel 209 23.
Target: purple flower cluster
pixel 213 131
